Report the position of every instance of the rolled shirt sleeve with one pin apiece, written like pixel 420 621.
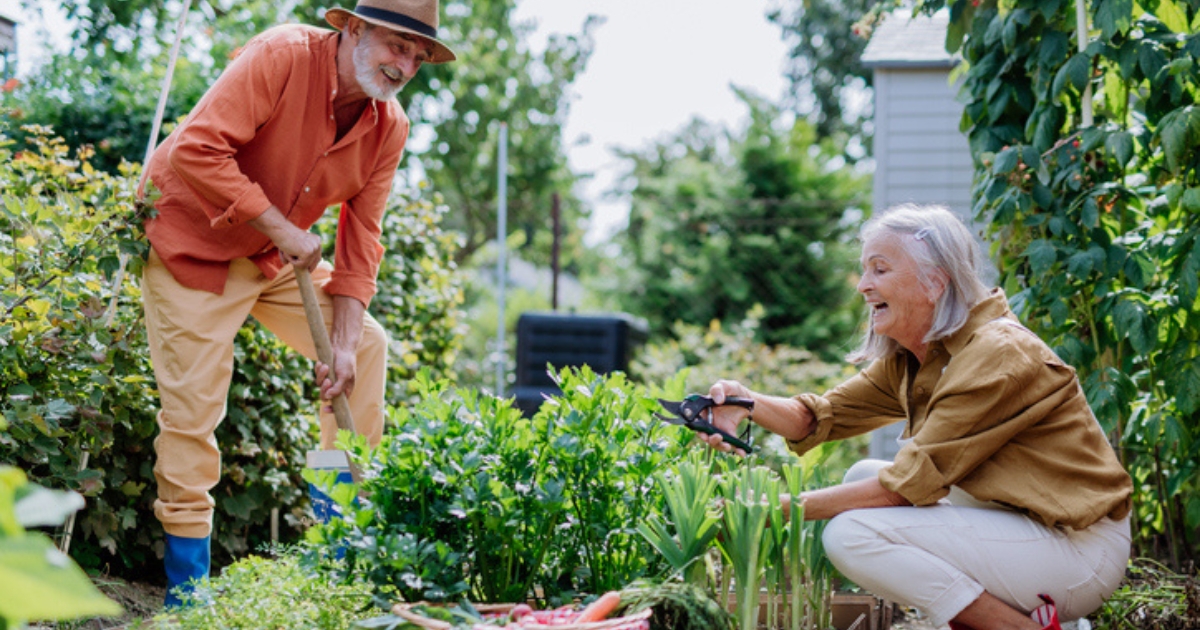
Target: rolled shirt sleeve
pixel 228 117
pixel 867 401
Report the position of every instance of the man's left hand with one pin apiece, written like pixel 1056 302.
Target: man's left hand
pixel 339 380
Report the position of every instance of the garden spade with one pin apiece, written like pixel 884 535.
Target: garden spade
pixel 341 407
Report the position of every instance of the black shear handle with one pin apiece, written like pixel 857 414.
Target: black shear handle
pixel 731 440
pixel 737 401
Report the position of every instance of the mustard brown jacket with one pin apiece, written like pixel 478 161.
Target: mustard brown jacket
pixel 992 410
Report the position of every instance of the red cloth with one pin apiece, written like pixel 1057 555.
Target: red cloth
pixel 265 134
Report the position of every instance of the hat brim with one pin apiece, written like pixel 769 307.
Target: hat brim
pixel 337 18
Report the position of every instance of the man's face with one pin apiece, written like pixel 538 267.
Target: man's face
pixel 385 60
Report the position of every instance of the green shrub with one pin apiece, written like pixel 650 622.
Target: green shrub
pixel 76 374
pixel 468 498
pixel 257 592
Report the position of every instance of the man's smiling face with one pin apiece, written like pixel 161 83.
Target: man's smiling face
pixel 385 60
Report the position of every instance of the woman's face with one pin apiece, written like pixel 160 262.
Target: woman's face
pixel 901 306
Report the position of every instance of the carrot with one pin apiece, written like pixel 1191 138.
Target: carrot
pixel 600 609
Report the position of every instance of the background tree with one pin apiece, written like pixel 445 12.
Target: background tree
pixel 721 222
pixel 1096 224
pixel 826 40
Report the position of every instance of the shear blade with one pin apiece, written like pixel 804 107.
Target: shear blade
pixel 671 419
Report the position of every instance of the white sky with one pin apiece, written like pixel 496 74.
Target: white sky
pixel 656 65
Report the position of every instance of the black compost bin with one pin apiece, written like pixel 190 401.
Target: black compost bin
pixel 603 342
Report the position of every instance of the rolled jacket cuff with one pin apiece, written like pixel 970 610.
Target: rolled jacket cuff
pixel 823 412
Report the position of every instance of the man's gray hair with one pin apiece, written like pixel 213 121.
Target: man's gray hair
pixel 938 241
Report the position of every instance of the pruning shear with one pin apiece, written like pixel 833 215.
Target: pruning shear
pixel 690 413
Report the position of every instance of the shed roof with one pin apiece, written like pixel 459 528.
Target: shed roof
pixel 905 40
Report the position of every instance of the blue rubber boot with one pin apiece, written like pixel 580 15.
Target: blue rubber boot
pixel 186 560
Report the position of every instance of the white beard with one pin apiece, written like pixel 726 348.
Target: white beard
pixel 366 75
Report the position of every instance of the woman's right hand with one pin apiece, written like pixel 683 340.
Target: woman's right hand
pixel 727 417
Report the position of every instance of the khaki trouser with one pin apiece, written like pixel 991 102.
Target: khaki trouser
pixel 942 557
pixel 191 335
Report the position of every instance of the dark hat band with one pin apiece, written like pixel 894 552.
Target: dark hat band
pixel 399 19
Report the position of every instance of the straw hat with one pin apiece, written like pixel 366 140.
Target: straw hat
pixel 417 17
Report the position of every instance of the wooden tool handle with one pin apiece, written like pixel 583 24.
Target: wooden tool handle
pixel 316 325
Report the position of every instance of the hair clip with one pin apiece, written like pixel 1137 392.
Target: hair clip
pixel 922 233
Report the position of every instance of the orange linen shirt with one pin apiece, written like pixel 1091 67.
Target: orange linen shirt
pixel 992 410
pixel 265 134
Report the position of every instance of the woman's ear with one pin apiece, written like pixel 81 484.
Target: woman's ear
pixel 938 281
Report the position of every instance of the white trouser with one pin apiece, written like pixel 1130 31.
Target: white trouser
pixel 942 557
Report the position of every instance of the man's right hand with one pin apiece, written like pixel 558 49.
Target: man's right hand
pixel 297 247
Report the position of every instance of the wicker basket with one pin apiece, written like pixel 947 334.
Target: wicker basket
pixel 406 611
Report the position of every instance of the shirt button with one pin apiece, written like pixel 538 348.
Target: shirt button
pixel 306 189
pixel 920 391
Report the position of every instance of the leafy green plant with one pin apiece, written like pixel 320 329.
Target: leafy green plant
pixel 39 582
pixel 461 482
pixel 264 592
pixel 467 498
pixel 806 570
pixel 606 448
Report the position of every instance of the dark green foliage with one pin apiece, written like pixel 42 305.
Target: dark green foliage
pixel 713 234
pixel 467 498
pixel 826 39
pixel 1096 228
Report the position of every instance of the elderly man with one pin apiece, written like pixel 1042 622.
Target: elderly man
pixel 302 119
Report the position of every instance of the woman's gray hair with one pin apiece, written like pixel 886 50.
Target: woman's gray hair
pixel 938 241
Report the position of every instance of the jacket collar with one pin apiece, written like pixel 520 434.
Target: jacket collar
pixel 993 307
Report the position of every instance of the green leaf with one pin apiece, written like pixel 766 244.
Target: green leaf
pixel 1006 161
pixel 1190 200
pixel 1042 195
pixel 1113 16
pixel 1080 264
pixel 1042 255
pixel 1172 16
pixel 42 507
pixel 1074 71
pixel 1184 383
pixel 41 583
pixel 1091 212
pixel 1175 130
pixel 1151 60
pixel 1120 146
pixel 1133 322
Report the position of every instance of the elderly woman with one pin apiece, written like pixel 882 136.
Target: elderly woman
pixel 1005 488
